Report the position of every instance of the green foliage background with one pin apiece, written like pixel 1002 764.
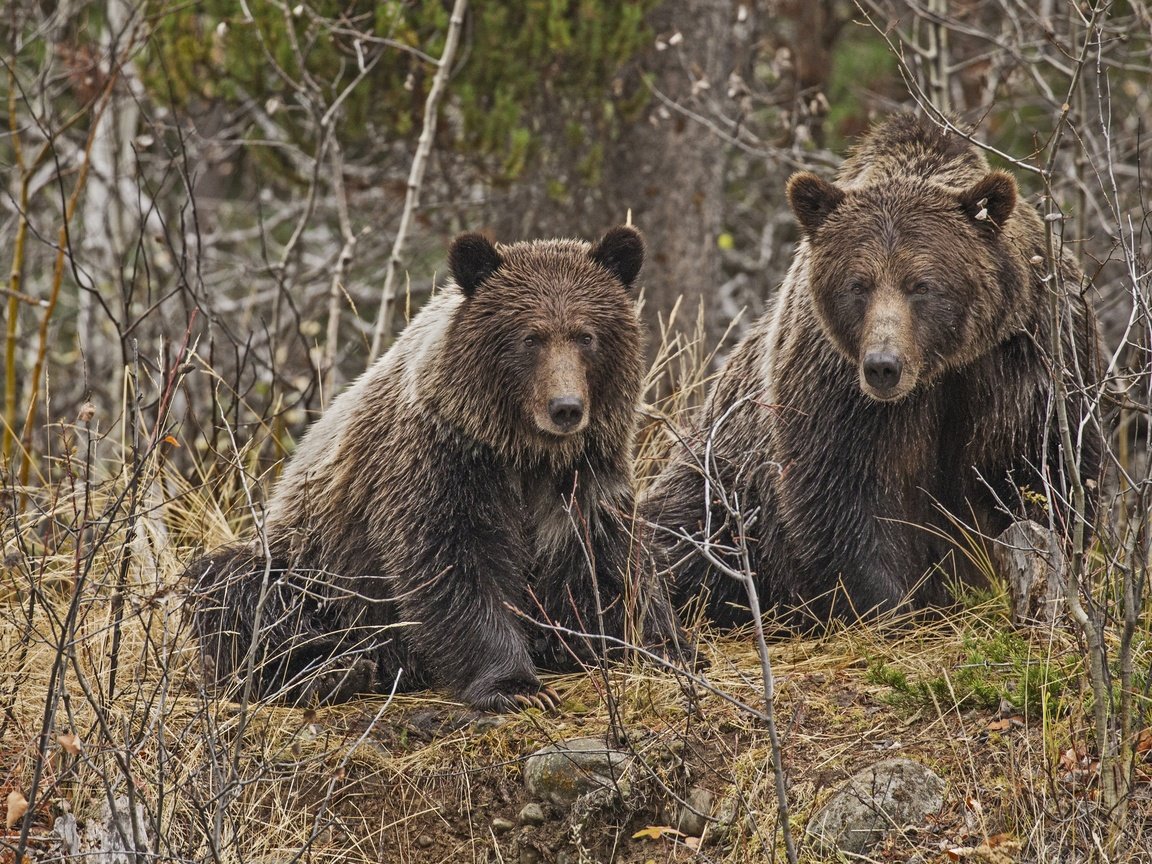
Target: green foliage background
pixel 522 66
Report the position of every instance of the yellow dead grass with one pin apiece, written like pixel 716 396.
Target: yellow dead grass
pixel 90 599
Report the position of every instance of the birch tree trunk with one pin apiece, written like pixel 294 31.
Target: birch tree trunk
pixel 109 220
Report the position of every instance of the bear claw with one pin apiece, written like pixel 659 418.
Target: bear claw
pixel 546 699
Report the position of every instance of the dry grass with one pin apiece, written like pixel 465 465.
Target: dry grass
pixel 419 778
pixel 95 641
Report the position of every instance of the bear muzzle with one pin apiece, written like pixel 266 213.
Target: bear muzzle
pixel 566 413
pixel 886 376
pixel 560 397
pixel 882 370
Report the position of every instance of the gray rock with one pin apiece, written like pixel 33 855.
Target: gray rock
pixel 731 820
pixel 119 837
pixel 532 814
pixel 561 773
pixel 694 812
pixel 69 833
pixel 887 795
pixel 424 841
pixel 529 855
pixel 502 826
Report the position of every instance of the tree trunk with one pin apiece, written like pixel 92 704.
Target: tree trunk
pixel 666 167
pixel 669 167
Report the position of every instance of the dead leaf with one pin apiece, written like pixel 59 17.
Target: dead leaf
pixel 1144 741
pixel 997 849
pixel 70 741
pixel 655 832
pixel 17 807
pixel 1005 723
pixel 973 814
pixel 1072 758
pixel 169 439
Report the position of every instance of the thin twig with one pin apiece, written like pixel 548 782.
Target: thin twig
pixel 416 176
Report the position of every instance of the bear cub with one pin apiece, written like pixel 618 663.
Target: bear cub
pixel 895 401
pixel 473 487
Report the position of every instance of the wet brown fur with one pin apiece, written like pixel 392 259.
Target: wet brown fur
pixel 920 251
pixel 437 496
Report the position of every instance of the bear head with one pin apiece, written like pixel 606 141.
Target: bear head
pixel 909 278
pixel 545 347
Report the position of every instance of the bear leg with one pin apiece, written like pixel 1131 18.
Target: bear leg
pixel 296 653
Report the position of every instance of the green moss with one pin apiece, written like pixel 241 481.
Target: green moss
pixel 994 666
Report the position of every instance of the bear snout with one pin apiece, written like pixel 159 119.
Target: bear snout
pixel 888 374
pixel 566 412
pixel 560 397
pixel 882 370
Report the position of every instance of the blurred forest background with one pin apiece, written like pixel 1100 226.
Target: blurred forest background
pixel 216 212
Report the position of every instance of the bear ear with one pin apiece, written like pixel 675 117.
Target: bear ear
pixel 990 201
pixel 812 200
pixel 471 259
pixel 621 253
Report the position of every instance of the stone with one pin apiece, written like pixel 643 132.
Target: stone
pixel 532 814
pixel 502 826
pixel 730 820
pixel 694 812
pixel 424 841
pixel 561 773
pixel 119 837
pixel 888 795
pixel 68 831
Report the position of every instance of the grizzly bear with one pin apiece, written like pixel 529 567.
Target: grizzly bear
pixel 894 405
pixel 463 513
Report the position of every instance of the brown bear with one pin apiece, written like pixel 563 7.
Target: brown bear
pixel 471 488
pixel 892 405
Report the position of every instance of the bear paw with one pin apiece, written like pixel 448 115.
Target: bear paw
pixel 340 683
pixel 546 699
pixel 510 698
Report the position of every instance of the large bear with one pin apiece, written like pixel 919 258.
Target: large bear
pixel 473 487
pixel 894 406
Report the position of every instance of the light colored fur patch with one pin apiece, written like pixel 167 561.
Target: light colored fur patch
pixel 410 358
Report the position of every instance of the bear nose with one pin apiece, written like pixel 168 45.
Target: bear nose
pixel 882 370
pixel 566 411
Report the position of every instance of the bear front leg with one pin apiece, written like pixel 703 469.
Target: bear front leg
pixel 600 586
pixel 461 574
pixel 463 631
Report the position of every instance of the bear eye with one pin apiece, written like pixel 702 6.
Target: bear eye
pixel 530 341
pixel 584 339
pixel 856 286
pixel 921 288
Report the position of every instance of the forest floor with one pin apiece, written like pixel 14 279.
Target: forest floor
pixel 999 714
pixel 102 710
